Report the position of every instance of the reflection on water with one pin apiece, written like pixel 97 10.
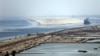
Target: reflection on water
pixel 63 49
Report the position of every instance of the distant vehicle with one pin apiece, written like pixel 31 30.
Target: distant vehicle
pixel 86 21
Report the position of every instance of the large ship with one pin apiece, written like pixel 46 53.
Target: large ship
pixel 86 21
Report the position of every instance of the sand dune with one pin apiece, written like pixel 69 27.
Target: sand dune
pixel 58 21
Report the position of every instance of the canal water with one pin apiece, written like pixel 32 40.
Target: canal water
pixel 63 49
pixel 16 26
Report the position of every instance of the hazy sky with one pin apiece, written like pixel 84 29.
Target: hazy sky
pixel 49 7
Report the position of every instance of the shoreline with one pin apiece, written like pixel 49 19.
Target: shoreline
pixel 10 37
pixel 59 36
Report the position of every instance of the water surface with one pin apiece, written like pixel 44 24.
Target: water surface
pixel 63 49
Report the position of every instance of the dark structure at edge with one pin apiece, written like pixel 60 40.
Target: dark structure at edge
pixel 86 21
